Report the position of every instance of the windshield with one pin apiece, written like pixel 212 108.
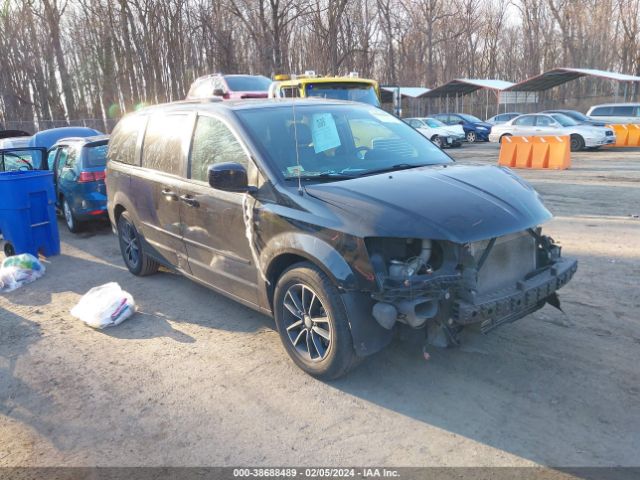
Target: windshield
pixel 576 115
pixel 564 120
pixel 355 92
pixel 248 83
pixel 433 123
pixel 337 141
pixel 96 157
pixel 470 118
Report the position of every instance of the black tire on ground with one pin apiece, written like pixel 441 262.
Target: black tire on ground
pixel 9 251
pixel 138 262
pixel 437 141
pixel 70 219
pixel 577 143
pixel 312 322
pixel 472 137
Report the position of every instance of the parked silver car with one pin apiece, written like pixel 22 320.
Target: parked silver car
pixel 615 113
pixel 538 124
pixel 439 133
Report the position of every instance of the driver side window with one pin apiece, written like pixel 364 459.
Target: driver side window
pixel 543 121
pixel 213 143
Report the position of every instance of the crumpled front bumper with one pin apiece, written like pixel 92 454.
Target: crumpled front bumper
pixel 598 142
pixel 511 304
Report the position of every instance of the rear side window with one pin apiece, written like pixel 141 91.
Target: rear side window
pixel 625 111
pixel 162 147
pixel 213 143
pixel 71 161
pixel 96 157
pixel 601 111
pixel 525 121
pixel 124 139
pixel 51 158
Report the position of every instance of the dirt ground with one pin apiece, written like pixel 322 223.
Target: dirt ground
pixel 196 379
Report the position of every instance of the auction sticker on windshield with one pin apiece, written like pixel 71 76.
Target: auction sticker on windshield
pixel 324 132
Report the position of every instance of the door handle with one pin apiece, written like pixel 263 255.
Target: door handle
pixel 189 200
pixel 169 195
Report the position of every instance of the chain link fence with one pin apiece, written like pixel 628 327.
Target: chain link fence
pixel 485 108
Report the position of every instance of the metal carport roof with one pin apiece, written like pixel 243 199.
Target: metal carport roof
pixel 558 76
pixel 405 92
pixel 464 86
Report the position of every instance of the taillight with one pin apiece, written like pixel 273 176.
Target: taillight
pixel 91 177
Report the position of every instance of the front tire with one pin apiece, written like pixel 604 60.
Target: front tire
pixel 312 322
pixel 138 262
pixel 577 143
pixel 437 141
pixel 472 137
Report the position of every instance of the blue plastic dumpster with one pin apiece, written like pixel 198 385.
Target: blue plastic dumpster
pixel 27 212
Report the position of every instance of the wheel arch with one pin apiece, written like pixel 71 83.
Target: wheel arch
pixel 288 249
pixel 367 335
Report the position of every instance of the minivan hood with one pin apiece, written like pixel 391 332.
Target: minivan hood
pixel 459 203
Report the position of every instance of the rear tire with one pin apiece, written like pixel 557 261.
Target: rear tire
pixel 70 219
pixel 136 260
pixel 312 322
pixel 9 251
pixel 577 143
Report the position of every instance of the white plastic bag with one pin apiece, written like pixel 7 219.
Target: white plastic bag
pixel 104 306
pixel 19 270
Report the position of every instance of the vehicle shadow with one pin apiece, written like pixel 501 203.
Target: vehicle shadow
pixel 17 335
pixel 510 393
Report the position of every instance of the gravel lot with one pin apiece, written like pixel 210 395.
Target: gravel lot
pixel 196 379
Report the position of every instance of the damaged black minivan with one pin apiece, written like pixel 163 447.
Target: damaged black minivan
pixel 338 219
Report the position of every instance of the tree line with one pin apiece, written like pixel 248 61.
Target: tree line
pixel 66 60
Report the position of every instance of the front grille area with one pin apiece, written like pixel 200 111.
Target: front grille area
pixel 511 259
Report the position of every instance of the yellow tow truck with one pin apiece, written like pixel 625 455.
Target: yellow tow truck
pixel 309 84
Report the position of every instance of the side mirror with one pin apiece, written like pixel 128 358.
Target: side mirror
pixel 460 122
pixel 218 92
pixel 230 177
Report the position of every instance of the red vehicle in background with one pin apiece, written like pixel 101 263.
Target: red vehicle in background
pixel 230 87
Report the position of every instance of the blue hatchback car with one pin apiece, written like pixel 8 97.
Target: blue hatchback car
pixel 79 166
pixel 475 130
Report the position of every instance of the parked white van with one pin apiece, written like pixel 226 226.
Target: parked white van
pixel 616 113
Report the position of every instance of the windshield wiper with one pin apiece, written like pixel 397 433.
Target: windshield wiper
pixel 394 168
pixel 322 176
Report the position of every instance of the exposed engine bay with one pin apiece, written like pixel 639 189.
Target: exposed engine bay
pixel 443 286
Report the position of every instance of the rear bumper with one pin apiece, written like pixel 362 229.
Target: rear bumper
pixel 514 303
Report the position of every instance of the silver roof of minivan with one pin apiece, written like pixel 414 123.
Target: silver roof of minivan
pixel 628 104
